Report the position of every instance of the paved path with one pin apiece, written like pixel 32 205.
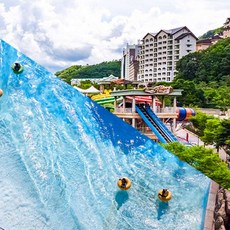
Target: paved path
pixel 195 140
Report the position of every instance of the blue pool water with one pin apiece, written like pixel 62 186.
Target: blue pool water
pixel 61 155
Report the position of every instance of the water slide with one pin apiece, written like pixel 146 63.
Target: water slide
pixel 155 123
pixel 107 100
pixel 103 101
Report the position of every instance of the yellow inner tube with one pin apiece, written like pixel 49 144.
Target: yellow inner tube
pixel 123 186
pixel 164 197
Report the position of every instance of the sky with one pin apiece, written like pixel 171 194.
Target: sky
pixel 58 34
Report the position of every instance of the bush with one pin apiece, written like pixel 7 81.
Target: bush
pixel 203 159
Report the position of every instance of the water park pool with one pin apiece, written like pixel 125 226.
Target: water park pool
pixel 61 155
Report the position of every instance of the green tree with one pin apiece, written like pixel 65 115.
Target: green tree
pixel 203 159
pixel 191 95
pixel 209 137
pixel 188 66
pixel 222 98
pixel 199 122
pixel 223 135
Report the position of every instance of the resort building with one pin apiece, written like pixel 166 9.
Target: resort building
pixel 203 44
pixel 160 52
pixel 77 81
pixel 226 32
pixel 129 62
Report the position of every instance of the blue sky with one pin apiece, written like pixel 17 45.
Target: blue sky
pixel 61 33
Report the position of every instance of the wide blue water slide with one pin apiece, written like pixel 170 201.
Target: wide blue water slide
pixel 160 123
pixel 155 124
pixel 61 155
pixel 152 124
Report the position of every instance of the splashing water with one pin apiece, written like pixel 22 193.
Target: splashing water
pixel 61 155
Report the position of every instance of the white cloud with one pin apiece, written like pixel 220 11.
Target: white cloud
pixel 58 34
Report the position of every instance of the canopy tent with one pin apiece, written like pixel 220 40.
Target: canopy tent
pixel 80 89
pixel 91 89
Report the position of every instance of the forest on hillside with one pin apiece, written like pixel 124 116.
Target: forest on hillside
pixel 204 77
pixel 211 33
pixel 101 70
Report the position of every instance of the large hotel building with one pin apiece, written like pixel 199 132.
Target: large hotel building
pixel 154 58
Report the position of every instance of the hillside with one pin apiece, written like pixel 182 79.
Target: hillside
pixel 204 77
pixel 101 70
pixel 211 33
pixel 212 64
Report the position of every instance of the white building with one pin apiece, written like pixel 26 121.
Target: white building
pixel 160 52
pixel 77 81
pixel 129 62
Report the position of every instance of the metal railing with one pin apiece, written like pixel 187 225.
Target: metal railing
pixel 158 110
